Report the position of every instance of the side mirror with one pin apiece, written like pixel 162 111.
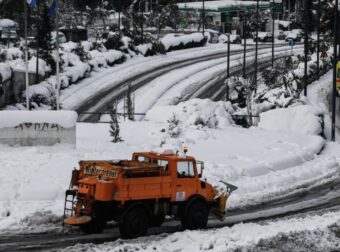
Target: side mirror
pixel 200 175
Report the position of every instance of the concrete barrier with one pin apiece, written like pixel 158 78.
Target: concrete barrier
pixel 32 128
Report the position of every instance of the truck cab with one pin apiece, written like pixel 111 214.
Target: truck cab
pixel 140 192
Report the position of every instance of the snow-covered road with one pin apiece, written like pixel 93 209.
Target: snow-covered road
pixel 97 92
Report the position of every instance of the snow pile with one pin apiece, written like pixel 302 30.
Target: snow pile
pixel 173 40
pixel 309 233
pixel 143 48
pixel 5 72
pixel 12 53
pixel 43 67
pixel 303 119
pixel 194 112
pixel 104 59
pixel 74 68
pixel 66 119
pixel 6 23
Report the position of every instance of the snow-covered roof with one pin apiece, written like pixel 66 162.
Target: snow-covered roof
pixel 223 5
pixel 7 23
pixel 66 119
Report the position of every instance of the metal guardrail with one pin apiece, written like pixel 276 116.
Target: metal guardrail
pixel 243 120
pixel 125 115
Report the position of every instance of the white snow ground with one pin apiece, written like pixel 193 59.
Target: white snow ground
pixel 263 164
pixel 33 180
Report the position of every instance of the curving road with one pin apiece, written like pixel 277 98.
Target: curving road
pixel 100 101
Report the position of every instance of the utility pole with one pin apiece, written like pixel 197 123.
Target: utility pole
pixel 119 11
pixel 244 44
pixel 306 46
pixel 26 58
pixel 228 58
pixel 256 43
pixel 203 17
pixel 318 41
pixel 142 28
pixel 37 41
pixel 273 32
pixel 335 59
pixel 57 61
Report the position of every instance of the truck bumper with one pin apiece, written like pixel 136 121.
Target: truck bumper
pixel 77 220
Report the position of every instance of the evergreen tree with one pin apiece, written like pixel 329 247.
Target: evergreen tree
pixel 114 125
pixel 45 37
pixel 173 128
pixel 129 104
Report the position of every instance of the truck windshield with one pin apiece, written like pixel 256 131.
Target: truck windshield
pixel 185 169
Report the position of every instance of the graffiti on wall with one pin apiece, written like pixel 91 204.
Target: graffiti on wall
pixel 39 126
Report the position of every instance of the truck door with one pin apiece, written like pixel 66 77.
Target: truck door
pixel 185 184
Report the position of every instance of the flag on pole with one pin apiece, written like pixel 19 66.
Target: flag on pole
pixel 32 3
pixel 53 9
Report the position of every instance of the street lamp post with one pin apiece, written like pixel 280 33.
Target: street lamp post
pixel 228 57
pixel 245 44
pixel 306 46
pixel 335 60
pixel 142 18
pixel 273 32
pixel 256 44
pixel 318 41
pixel 203 18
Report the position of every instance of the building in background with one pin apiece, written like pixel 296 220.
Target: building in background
pixel 226 16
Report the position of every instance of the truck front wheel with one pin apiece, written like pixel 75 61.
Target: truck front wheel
pixel 196 216
pixel 134 224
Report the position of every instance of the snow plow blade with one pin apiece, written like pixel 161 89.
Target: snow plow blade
pixel 219 209
pixel 77 220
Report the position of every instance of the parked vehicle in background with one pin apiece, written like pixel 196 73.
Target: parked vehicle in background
pixel 9 34
pixel 61 36
pixel 293 36
pixel 234 38
pixel 281 35
pixel 264 37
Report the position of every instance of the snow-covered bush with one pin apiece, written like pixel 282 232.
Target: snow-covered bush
pixel 151 49
pixel 195 113
pixel 173 42
pixel 5 72
pixel 114 41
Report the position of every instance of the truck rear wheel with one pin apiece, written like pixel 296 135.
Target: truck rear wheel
pixel 157 220
pixel 134 224
pixel 95 226
pixel 196 216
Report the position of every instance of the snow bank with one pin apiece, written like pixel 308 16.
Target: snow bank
pixel 302 119
pixel 172 40
pixel 104 59
pixel 7 23
pixel 143 48
pixel 12 53
pixel 195 112
pixel 310 233
pixel 66 119
pixel 5 72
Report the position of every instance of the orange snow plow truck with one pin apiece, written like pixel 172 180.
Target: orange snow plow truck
pixel 139 193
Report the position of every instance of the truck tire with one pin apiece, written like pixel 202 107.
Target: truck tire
pixel 157 221
pixel 95 226
pixel 135 223
pixel 196 216
pixel 98 221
